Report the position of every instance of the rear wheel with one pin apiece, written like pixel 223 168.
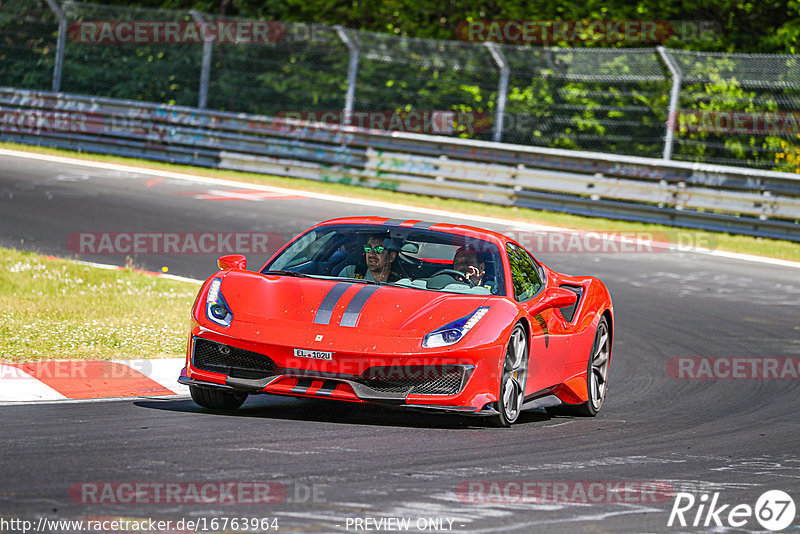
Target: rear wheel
pixel 512 381
pixel 216 399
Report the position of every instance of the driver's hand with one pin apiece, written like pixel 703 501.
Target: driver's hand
pixel 473 273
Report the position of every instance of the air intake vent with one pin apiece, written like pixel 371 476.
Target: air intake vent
pixel 421 379
pixel 231 361
pixel 568 312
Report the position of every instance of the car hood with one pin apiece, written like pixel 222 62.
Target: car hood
pixel 302 302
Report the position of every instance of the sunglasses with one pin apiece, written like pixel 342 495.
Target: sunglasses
pixel 378 249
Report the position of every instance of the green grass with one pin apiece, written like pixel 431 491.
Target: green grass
pixel 733 243
pixel 52 309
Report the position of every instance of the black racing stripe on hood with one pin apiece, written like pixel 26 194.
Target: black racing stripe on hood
pixel 353 310
pixel 323 315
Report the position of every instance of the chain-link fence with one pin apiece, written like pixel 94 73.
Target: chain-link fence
pixel 604 100
pixel 731 109
pixel 28 44
pixel 739 109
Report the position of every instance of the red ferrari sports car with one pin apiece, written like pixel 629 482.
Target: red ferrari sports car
pixel 402 312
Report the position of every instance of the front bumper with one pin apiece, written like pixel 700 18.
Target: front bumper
pixel 464 382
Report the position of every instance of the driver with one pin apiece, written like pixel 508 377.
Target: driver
pixel 379 261
pixel 468 261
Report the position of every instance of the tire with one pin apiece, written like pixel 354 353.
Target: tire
pixel 215 399
pixel 512 381
pixel 596 375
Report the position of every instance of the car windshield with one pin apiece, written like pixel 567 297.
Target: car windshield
pixel 406 257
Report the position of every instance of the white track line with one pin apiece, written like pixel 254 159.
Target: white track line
pixel 364 202
pixel 119 268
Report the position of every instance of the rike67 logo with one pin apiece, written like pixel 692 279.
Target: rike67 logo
pixel 774 510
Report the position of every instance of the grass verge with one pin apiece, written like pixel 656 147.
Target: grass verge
pixel 733 243
pixel 52 309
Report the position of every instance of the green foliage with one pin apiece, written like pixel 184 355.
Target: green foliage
pixel 27 45
pixel 741 26
pixel 612 98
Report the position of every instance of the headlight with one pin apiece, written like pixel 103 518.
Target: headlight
pixel 217 309
pixel 451 333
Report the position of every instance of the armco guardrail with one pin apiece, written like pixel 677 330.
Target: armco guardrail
pixel 746 201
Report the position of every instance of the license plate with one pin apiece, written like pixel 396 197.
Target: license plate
pixel 313 354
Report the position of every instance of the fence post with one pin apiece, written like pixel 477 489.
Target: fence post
pixel 61 43
pixel 205 66
pixel 502 89
pixel 672 118
pixel 352 71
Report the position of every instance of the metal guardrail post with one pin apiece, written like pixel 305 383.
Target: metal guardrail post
pixel 672 118
pixel 352 71
pixel 502 89
pixel 205 67
pixel 61 43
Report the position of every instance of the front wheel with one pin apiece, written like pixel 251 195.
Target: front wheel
pixel 216 399
pixel 512 381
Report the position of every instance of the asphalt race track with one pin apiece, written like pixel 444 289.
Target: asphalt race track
pixel 339 463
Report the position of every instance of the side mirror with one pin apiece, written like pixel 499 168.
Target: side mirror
pixel 232 261
pixel 553 297
pixel 410 248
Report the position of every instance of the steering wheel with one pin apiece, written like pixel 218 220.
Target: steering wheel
pixel 458 276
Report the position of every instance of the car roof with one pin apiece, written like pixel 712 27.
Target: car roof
pixel 387 222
